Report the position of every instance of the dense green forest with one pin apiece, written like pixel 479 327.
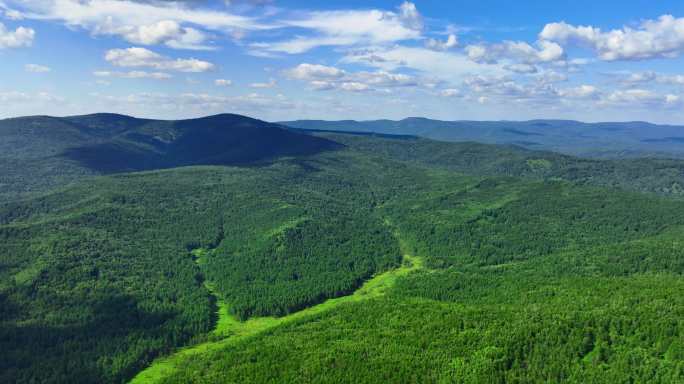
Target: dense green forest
pixel 529 266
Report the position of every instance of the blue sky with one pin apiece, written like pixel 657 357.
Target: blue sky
pixel 277 60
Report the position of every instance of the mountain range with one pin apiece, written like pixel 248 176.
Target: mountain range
pixel 227 249
pixel 598 140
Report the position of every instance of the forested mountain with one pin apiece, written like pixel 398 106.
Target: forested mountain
pixel 40 153
pixel 225 250
pixel 37 153
pixel 599 140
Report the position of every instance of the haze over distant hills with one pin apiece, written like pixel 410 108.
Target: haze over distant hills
pixel 38 153
pixel 600 140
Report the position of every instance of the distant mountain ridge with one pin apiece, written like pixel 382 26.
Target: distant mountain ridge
pixel 599 140
pixel 39 153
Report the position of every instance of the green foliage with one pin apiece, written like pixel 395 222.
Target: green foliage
pixel 39 153
pixel 533 269
pixel 621 330
pixel 661 176
pixel 99 277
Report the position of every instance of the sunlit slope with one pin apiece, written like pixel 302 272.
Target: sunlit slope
pixel 99 276
pixel 589 286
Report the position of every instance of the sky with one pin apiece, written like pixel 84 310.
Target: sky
pixel 283 60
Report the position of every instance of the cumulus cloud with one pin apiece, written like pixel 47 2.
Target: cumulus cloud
pixel 550 77
pixel 521 68
pixel 322 77
pixel 142 57
pixel 444 65
pixel 645 77
pixel 306 71
pixel 640 77
pixel 349 27
pixel 546 51
pixel 166 32
pixel 409 15
pixel 134 75
pixel 663 37
pixel 451 42
pixel 146 23
pixel 354 86
pixel 535 91
pixel 581 92
pixel 20 37
pixel 639 97
pixel 35 68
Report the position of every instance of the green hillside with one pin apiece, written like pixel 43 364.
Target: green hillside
pixel 40 153
pixel 237 251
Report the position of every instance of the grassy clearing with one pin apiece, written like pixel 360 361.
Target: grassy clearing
pixel 231 331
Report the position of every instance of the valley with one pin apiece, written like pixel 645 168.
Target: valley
pixel 229 331
pixel 304 267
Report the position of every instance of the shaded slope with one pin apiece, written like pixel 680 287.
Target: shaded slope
pixel 38 153
pixel 215 140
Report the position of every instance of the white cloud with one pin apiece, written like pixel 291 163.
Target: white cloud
pixel 142 57
pixel 409 15
pixel 306 71
pixel 581 92
pixel 450 92
pixel 20 37
pixel 13 14
pixel 223 83
pixel 134 75
pixel 354 86
pixel 521 68
pixel 518 51
pixel 271 84
pixel 671 79
pixel 167 32
pixel 663 37
pixel 321 85
pixel 443 65
pixel 672 99
pixel 536 92
pixel 384 79
pixel 322 77
pixel 550 77
pixel 141 22
pixel 35 68
pixel 641 97
pixel 199 103
pixel 16 97
pixel 640 77
pixel 451 42
pixel 349 27
pixel 645 77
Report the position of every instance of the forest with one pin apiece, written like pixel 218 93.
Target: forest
pixel 517 265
